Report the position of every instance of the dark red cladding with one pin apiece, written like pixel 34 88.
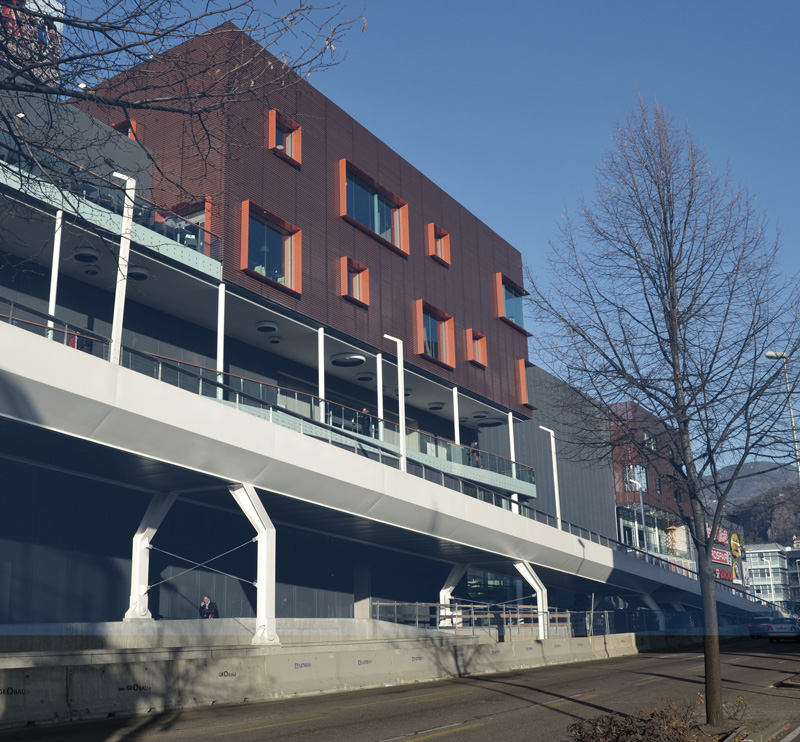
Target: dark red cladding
pixel 239 167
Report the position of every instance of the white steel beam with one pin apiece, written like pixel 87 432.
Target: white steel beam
pixel 140 556
pixel 530 576
pixel 248 500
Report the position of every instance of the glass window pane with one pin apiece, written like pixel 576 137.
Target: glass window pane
pixel 268 251
pixel 431 333
pixel 512 305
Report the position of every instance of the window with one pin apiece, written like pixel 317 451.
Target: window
pixel 372 208
pixel 649 440
pixel 284 138
pixel 522 382
pixel 271 248
pixel 128 128
pixel 354 281
pixel 658 486
pixel 476 348
pixel 437 244
pixel 635 478
pixel 435 335
pixel 509 302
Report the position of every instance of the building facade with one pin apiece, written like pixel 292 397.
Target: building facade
pixel 293 332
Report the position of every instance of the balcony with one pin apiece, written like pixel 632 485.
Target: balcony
pixel 98 201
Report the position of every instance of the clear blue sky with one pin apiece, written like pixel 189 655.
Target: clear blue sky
pixel 509 106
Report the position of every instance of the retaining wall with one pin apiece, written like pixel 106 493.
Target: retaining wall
pixel 154 672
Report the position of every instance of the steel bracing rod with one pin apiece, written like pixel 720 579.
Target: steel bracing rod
pixel 202 564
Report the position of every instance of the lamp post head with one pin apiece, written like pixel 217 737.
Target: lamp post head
pixel 775 354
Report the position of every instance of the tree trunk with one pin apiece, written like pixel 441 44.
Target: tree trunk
pixel 713 672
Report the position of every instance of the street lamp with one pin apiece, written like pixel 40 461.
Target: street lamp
pixel 775 355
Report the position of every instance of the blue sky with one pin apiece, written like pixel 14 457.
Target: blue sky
pixel 509 106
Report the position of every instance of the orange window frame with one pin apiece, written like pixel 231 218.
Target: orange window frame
pixel 500 281
pixel 447 327
pixel 435 237
pixel 522 383
pixel 130 127
pixel 400 210
pixel 346 266
pixel 276 119
pixel 294 287
pixel 476 341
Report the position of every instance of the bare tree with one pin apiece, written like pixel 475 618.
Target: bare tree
pixel 123 57
pixel 666 292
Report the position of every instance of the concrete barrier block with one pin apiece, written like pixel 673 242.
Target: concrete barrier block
pixel 557 649
pixel 620 645
pixel 414 664
pixel 33 694
pixel 140 687
pixel 219 680
pixel 529 653
pixel 582 649
pixel 363 669
pixel 299 672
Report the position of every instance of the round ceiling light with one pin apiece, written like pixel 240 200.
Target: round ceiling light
pixel 435 406
pixel 266 327
pixel 479 415
pixel 86 254
pixel 348 360
pixel 406 390
pixel 365 378
pixel 491 422
pixel 91 270
pixel 275 339
pixel 138 273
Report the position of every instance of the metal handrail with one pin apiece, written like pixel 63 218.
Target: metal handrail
pixel 80 181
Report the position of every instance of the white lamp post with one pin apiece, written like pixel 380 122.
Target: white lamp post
pixel 775 355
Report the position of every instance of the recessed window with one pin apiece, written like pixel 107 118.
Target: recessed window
pixel 271 248
pixel 476 348
pixel 354 281
pixel 127 128
pixel 435 335
pixel 649 441
pixel 372 208
pixel 509 302
pixel 437 244
pixel 522 382
pixel 284 137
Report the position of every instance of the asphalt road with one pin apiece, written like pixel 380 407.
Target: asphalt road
pixel 528 705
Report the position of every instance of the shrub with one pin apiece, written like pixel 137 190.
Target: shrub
pixel 668 724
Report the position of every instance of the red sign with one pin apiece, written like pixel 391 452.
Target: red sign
pixel 721 536
pixel 723 574
pixel 720 556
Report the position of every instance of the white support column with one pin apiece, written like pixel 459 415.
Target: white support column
pixel 512 454
pixel 456 424
pixel 446 594
pixel 653 606
pixel 321 372
pixel 140 556
pixel 401 401
pixel 530 576
pixel 51 304
pixel 555 475
pixel 248 500
pixel 379 382
pixel 122 268
pixel 456 573
pixel 220 338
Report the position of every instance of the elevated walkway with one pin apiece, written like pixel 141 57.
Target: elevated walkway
pixel 160 439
